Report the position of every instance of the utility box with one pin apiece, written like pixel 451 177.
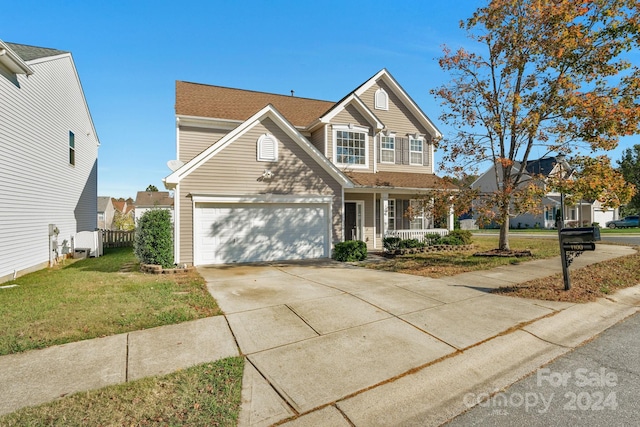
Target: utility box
pixel 81 253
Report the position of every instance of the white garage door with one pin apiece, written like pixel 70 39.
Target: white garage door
pixel 227 233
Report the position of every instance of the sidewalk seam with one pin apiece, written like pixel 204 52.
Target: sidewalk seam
pixel 126 361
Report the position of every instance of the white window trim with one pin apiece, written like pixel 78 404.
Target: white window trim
pixel 391 213
pixel 260 155
pixel 352 128
pixel 421 139
pixel 381 99
pixel 393 150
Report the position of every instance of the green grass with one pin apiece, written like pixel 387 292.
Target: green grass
pixel 93 298
pixel 441 264
pixel 516 231
pixel 204 395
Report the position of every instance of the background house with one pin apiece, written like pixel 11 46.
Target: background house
pixel 48 158
pixel 261 176
pixel 106 212
pixel 146 200
pixel 124 217
pixel 584 213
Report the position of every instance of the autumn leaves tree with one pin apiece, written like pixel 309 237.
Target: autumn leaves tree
pixel 629 166
pixel 550 76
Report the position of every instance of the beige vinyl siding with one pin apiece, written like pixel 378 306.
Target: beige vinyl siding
pixel 400 120
pixel 39 186
pixel 317 139
pixel 234 171
pixel 195 140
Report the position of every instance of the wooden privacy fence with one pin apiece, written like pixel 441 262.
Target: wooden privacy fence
pixel 117 238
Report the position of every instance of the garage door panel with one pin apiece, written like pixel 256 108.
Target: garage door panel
pixel 260 232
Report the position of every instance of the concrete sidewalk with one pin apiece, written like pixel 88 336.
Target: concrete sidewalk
pixel 332 344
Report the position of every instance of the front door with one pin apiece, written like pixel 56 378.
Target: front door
pixel 353 220
pixel 350 228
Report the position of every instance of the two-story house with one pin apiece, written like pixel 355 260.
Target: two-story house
pixel 262 177
pixel 582 213
pixel 48 158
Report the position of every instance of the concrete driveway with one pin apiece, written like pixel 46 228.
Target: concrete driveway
pixel 315 333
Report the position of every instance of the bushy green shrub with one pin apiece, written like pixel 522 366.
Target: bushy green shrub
pixel 153 243
pixel 350 251
pixel 451 240
pixel 432 239
pixel 463 235
pixel 391 243
pixel 411 243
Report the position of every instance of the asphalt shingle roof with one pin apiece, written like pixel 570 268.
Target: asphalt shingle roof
pixel 200 100
pixel 542 166
pixel 153 198
pixel 28 53
pixel 399 180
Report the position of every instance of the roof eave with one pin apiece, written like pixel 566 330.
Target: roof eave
pixel 12 61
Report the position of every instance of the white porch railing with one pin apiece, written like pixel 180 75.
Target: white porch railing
pixel 416 234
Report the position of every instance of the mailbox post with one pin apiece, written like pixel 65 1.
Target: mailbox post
pixel 573 242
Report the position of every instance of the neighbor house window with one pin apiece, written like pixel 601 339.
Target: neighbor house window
pixel 267 148
pixel 72 148
pixel 351 146
pixel 391 205
pixel 388 149
pixel 381 100
pixel 416 151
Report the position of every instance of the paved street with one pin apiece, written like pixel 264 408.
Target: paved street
pixel 597 385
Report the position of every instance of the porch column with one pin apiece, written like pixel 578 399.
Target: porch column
pixel 373 209
pixel 450 218
pixel 384 214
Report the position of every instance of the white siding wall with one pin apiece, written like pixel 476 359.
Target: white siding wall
pixel 38 186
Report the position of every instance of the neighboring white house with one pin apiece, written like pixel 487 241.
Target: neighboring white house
pixel 48 158
pixel 147 200
pixel 584 213
pixel 106 212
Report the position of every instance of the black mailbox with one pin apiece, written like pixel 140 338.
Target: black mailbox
pixel 580 239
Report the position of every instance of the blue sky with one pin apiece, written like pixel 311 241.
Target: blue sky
pixel 130 53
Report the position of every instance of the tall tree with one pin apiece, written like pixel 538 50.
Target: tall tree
pixel 552 77
pixel 630 169
pixel 152 187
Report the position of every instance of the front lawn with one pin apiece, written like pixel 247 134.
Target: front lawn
pixel 96 297
pixel 203 395
pixel 441 264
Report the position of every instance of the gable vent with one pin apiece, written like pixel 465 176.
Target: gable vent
pixel 381 100
pixel 267 148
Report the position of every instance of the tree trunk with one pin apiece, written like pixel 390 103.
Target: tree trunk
pixel 503 245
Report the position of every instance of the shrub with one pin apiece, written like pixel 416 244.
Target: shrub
pixel 463 235
pixel 154 238
pixel 411 243
pixel 432 239
pixel 391 243
pixel 350 250
pixel 451 240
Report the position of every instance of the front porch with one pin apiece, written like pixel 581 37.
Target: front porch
pixel 372 216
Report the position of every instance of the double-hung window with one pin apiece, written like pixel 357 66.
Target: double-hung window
pixel 388 149
pixel 391 214
pixel 351 146
pixel 417 215
pixel 416 151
